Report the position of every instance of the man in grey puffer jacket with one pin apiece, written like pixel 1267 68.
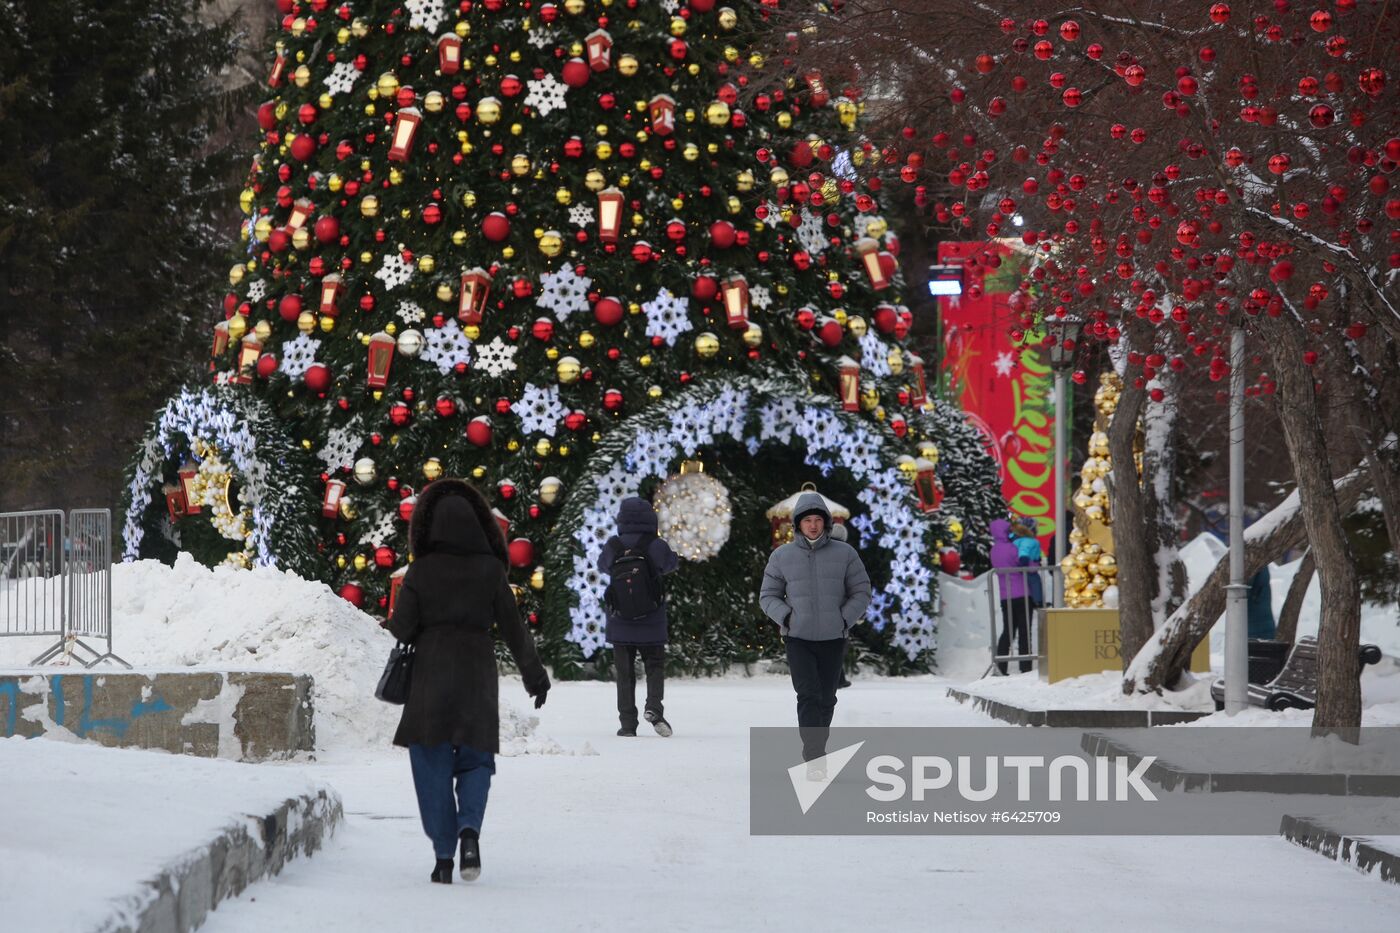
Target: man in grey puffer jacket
pixel 815 589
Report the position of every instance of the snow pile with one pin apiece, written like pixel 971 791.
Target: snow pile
pixel 193 617
pixel 85 826
pixel 1091 691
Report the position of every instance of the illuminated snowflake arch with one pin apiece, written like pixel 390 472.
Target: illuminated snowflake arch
pixel 752 414
pixel 268 465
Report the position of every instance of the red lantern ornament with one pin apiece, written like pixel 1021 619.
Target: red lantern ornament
pixel 406 123
pixel 395 585
pixel 221 339
pixel 449 49
pixel 599 44
pixel 301 212
pixel 918 396
pixel 869 251
pixel 849 371
pixel 187 473
pixel 332 287
pixel 927 485
pixel 662 109
pixel 471 301
pixel 248 352
pixel 736 302
pixel 610 201
pixel 381 357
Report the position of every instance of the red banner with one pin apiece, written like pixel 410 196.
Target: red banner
pixel 1007 390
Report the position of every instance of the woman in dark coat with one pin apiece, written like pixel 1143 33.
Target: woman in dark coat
pixel 455 592
pixel 636 529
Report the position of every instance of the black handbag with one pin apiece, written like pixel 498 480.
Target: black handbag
pixel 397 677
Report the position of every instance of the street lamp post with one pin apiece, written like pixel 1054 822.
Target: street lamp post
pixel 1061 340
pixel 1236 607
pixel 945 280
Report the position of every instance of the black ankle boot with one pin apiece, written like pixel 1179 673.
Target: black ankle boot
pixel 442 873
pixel 471 855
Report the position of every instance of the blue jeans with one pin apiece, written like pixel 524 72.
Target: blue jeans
pixel 444 813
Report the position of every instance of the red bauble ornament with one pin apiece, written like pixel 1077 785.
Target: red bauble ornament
pixel 267 365
pixel 575 421
pixel 399 414
pixel 522 552
pixel 317 377
pixel 384 557
pixel 327 230
pixel 608 312
pixel 290 308
pixel 542 330
pixel 496 227
pixel 950 561
pixel 612 400
pixel 722 234
pixel 353 594
pixel 704 288
pixel 886 319
pixel 479 431
pixel 830 333
pixel 445 406
pixel 576 72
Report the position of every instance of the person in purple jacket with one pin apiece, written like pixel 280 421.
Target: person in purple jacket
pixel 635 560
pixel 1015 605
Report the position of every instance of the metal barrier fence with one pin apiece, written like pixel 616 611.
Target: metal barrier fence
pixel 56 581
pixel 1017 592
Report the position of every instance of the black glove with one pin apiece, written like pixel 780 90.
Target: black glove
pixel 540 698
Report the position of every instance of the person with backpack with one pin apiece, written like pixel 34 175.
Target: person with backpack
pixel 635 560
pixel 815 589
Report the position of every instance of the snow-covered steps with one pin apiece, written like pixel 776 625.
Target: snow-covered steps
pixel 1378 856
pixel 1030 714
pixel 114 840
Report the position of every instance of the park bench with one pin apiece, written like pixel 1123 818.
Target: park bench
pixel 1295 686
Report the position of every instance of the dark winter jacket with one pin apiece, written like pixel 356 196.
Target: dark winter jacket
pixel 1029 555
pixel 815 590
pixel 454 594
pixel 1010 586
pixel 636 521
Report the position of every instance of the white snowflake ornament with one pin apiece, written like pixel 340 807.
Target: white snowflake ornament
pixel 257 291
pixel 298 355
pixel 496 358
pixel 581 215
pixel 396 271
pixel 810 233
pixel 342 444
pixel 667 316
pixel 564 292
pixel 760 297
pixel 445 346
pixel 411 313
pixel 539 409
pixel 424 14
pixel 342 78
pixel 546 95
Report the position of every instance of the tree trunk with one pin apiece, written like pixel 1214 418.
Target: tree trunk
pixel 1168 653
pixel 1287 631
pixel 1387 486
pixel 1132 547
pixel 1339 633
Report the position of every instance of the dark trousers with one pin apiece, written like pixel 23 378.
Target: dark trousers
pixel 1015 614
pixel 815 667
pixel 445 814
pixel 654 661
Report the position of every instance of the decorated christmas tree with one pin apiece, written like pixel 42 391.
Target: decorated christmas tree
pixel 563 250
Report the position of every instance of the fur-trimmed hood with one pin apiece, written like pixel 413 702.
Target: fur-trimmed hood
pixel 440 521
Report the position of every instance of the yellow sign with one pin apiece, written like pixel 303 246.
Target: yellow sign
pixel 1074 642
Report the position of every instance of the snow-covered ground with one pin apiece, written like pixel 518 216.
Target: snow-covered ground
pixel 82 826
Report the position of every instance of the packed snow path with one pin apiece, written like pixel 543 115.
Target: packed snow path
pixel 652 834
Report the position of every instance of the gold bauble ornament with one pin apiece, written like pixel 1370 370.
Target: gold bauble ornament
pixel 341 562
pixel 301 238
pixel 706 346
pixel 508 252
pixel 594 180
pixel 627 65
pixel 446 292
pixel 564 196
pixel 907 465
pixel 654 392
pixel 537 578
pixel 690 153
pixel 302 76
pixel 744 181
pixel 347 509
pixel 857 325
pixel 306 322
pixel 478 472
pixel 550 489
pixel 644 360
pixel 568 370
pixel 728 19
pixel 262 230
pixel 360 562
pixel 785 120
pixel 603 151
pixel 543 447
pixel 237 327
pixel 432 469
pixel 778 177
pixel 677 26
pixel 387 85
pixel 520 165
pixel 359 28
pixel 426 264
pixel 263 331
pixel 929 451
pixel 326 323
pixel 895 360
pixel 433 101
pixel 235 274
pixel 369 206
pixel 753 335
pixel 245 200
pixel 717 113
pixel 869 397
pixel 955 528
pixel 586 340
pixel 552 243
pixel 488 111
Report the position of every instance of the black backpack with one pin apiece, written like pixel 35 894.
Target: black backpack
pixel 635 590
